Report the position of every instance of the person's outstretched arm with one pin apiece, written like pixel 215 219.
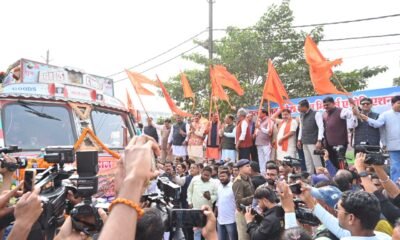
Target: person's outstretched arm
pixel 138 171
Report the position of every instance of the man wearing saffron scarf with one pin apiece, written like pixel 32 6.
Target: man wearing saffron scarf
pixel 286 139
pixel 213 139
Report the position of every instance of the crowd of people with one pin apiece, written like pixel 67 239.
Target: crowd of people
pixel 254 177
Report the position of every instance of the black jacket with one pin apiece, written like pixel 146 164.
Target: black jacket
pixel 271 227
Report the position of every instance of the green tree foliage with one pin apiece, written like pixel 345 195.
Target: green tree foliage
pixel 245 53
pixel 396 81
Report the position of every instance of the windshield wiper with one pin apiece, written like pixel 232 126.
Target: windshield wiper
pixel 36 112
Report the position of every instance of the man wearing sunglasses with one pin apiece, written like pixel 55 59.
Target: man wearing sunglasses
pixel 363 132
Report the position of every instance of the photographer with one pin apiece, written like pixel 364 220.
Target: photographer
pixel 390 211
pixel 357 212
pixel 271 226
pixel 26 212
pixel 6 173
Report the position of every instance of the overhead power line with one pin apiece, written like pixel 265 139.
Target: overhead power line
pixel 162 63
pixel 326 23
pixel 363 46
pixel 362 37
pixel 161 54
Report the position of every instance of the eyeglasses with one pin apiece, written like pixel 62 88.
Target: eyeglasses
pixel 337 210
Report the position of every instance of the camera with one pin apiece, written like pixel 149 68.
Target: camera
pixel 319 152
pixel 171 191
pixel 292 162
pixel 10 166
pixel 374 154
pixel 85 217
pixel 340 152
pixel 305 215
pixel 10 149
pixel 59 154
pixel 53 193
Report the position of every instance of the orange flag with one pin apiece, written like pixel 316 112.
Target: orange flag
pixel 170 102
pixel 187 90
pixel 143 79
pixel 273 87
pixel 216 89
pixel 129 103
pixel 140 90
pixel 227 79
pixel 320 69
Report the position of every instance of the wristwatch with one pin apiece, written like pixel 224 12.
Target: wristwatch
pixel 363 174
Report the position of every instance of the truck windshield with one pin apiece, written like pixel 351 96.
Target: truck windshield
pixel 109 127
pixel 36 125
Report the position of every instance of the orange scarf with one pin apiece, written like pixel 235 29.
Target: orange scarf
pixel 285 143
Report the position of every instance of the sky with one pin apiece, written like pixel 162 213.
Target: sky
pixel 105 37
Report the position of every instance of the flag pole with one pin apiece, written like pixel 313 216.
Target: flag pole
pixel 194 103
pixel 339 82
pixel 140 100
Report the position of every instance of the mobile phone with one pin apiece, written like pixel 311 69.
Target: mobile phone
pixel 29 180
pixel 187 218
pixel 295 188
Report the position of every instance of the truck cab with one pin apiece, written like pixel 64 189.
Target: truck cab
pixel 43 105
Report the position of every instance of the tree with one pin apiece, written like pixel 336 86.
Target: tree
pixel 245 53
pixel 396 81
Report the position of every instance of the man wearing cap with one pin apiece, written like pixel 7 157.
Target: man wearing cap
pixel 196 138
pixel 227 134
pixel 263 139
pixel 244 141
pixel 178 137
pixel 363 132
pixel 243 190
pixel 310 135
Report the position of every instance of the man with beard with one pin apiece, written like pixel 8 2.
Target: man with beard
pixel 226 208
pixel 272 225
pixel 202 191
pixel 286 139
pixel 336 122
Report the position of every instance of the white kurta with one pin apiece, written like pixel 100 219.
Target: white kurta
pixel 291 151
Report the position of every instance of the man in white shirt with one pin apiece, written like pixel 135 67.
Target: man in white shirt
pixel 226 208
pixel 202 191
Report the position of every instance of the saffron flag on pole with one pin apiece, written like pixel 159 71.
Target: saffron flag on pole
pixel 137 84
pixel 143 79
pixel 273 88
pixel 320 69
pixel 217 90
pixel 170 102
pixel 187 90
pixel 226 79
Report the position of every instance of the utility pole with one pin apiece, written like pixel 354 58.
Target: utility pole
pixel 47 56
pixel 210 30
